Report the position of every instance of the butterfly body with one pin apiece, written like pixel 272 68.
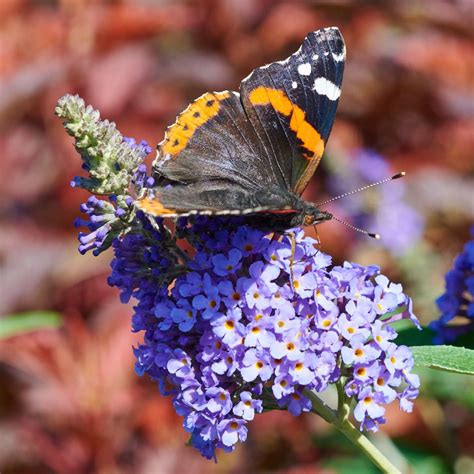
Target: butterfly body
pixel 253 152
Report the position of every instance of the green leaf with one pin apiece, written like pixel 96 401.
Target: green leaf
pixel 411 336
pixel 15 324
pixel 449 358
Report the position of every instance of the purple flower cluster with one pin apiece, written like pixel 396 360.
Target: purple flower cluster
pixel 458 299
pixel 399 223
pixel 107 219
pixel 243 324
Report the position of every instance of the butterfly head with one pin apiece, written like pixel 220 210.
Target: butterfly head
pixel 316 217
pixel 312 215
pixel 307 214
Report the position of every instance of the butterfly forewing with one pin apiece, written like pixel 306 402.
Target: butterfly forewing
pixel 213 140
pixel 292 104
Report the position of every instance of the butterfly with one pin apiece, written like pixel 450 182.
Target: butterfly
pixel 254 151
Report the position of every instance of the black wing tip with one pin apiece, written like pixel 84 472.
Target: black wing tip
pixel 331 33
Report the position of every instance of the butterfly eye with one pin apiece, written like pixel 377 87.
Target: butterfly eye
pixel 308 219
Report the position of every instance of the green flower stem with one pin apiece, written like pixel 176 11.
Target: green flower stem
pixel 340 420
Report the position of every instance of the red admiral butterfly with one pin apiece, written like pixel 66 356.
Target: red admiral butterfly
pixel 253 153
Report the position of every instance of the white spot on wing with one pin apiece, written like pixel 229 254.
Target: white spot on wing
pixel 294 84
pixel 326 53
pixel 325 87
pixel 315 57
pixel 304 69
pixel 339 57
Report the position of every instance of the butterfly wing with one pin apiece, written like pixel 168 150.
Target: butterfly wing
pixel 292 104
pixel 213 140
pixel 210 198
pixel 227 153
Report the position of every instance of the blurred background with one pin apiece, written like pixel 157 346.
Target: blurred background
pixel 69 399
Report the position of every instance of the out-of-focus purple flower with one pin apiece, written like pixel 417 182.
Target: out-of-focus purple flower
pixel 399 224
pixel 458 299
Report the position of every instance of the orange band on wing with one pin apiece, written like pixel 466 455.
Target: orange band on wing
pixel 154 207
pixel 198 113
pixel 308 135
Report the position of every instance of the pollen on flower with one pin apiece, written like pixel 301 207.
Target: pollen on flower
pixel 222 396
pixel 368 400
pixel 351 330
pixel 236 296
pixel 258 316
pixel 290 346
pixel 299 366
pixel 358 352
pixel 234 425
pixel 212 304
pixel 259 364
pixel 326 323
pixel 361 371
pixel 380 382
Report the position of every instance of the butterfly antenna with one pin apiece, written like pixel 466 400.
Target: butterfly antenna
pixel 363 188
pixel 357 229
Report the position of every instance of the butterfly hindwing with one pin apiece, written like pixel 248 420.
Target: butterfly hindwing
pixel 212 198
pixel 292 104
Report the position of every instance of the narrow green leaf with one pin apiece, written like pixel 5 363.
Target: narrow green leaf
pixel 15 324
pixel 448 358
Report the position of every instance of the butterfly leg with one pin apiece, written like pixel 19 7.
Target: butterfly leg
pixel 318 239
